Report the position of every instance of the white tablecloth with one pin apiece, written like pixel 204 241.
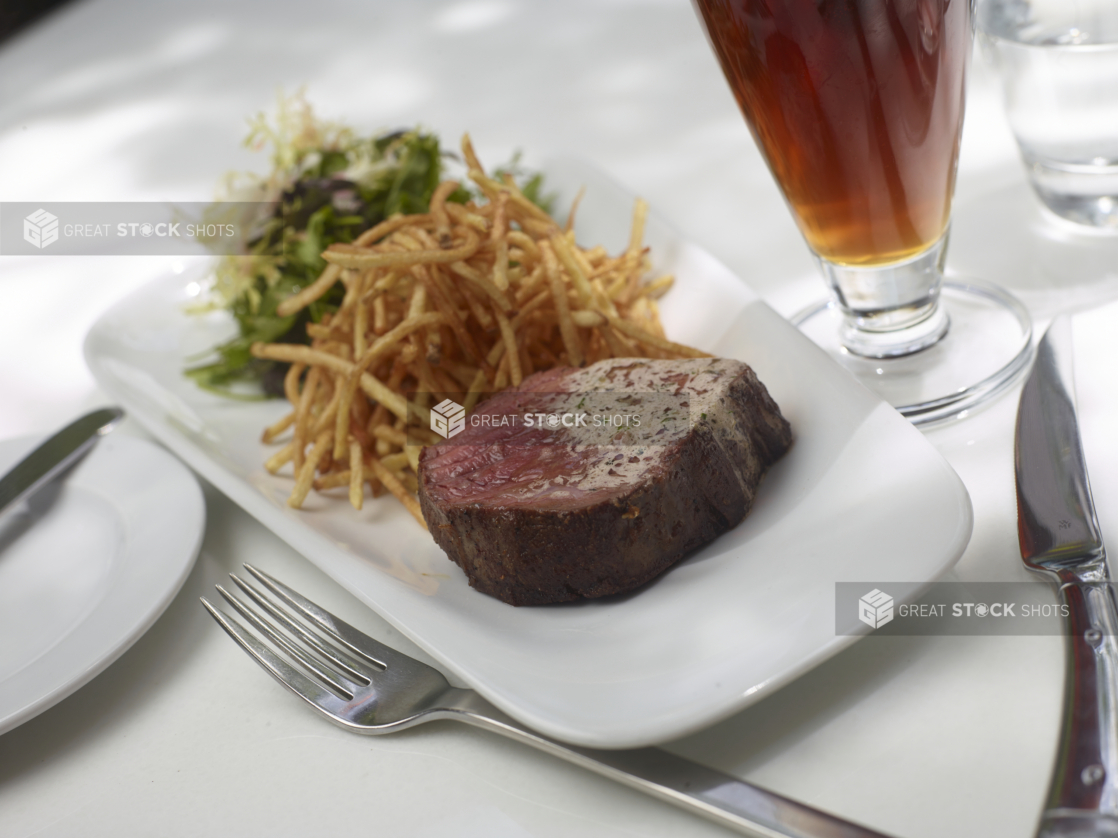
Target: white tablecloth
pixel 111 100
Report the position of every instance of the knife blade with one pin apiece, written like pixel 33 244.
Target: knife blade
pixel 55 455
pixel 1060 539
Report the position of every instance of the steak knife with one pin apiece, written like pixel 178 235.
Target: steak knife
pixel 1060 538
pixel 56 455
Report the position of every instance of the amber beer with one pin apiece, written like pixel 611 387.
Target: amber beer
pixel 857 106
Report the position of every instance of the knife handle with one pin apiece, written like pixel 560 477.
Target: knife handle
pixel 1083 797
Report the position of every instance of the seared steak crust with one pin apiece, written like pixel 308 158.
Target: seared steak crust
pixel 520 543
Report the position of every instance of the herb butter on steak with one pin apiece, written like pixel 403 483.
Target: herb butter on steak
pixel 538 514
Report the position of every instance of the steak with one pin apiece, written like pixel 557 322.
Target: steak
pixel 538 505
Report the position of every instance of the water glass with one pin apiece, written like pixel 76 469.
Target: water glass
pixel 1058 62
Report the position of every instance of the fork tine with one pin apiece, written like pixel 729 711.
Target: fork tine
pixel 358 641
pixel 343 686
pixel 355 669
pixel 325 702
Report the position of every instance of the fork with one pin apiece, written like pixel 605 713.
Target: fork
pixel 367 687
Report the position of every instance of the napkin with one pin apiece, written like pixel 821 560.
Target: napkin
pixel 1096 383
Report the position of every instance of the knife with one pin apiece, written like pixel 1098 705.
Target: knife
pixel 1059 536
pixel 56 455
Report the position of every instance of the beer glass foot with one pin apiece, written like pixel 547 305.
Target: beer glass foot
pixel 988 348
pixel 894 344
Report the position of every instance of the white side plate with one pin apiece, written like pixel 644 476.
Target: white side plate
pixel 88 565
pixel 860 496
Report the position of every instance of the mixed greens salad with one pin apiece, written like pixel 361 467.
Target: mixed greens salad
pixel 327 185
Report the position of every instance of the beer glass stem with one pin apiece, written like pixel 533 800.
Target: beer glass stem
pixel 890 310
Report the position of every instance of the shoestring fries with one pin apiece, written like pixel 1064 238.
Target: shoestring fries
pixel 466 298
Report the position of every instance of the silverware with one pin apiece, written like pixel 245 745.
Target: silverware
pixel 56 455
pixel 367 687
pixel 1060 538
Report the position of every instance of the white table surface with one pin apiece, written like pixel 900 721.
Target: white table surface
pixel 111 100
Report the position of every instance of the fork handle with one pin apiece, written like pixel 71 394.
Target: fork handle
pixel 717 796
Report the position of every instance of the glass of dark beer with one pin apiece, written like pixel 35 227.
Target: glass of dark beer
pixel 857 106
